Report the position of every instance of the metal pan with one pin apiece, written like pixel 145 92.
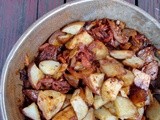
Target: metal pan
pixel 11 96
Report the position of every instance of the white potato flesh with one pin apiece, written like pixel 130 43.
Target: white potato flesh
pixel 111 107
pixel 83 38
pixel 35 74
pixel 90 115
pixel 125 109
pixel 99 102
pixel 79 105
pixel 141 79
pixel 73 28
pixel 104 114
pixel 141 113
pixel 127 78
pixel 32 112
pixel 95 81
pixel 66 114
pixel 111 88
pixel 50 102
pixel 49 67
pixel 134 62
pixel 121 54
pixel 89 96
pixel 111 67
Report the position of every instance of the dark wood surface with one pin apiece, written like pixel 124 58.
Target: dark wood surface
pixel 17 15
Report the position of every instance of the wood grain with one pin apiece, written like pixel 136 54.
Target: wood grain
pixel 151 6
pixel 15 17
pixel 46 5
pixel 131 1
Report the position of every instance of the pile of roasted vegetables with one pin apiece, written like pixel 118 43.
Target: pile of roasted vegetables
pixel 94 70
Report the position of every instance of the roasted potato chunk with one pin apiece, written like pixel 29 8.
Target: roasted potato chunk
pixel 126 90
pixel 79 105
pixel 111 107
pixel 35 74
pixel 134 62
pixel 121 54
pixel 99 49
pixel 89 96
pixel 83 38
pixel 153 110
pixel 111 88
pixel 66 114
pixel 90 115
pixel 73 28
pixel 104 114
pixel 32 112
pixel 49 67
pixel 50 102
pixel 125 109
pixel 141 113
pixel 94 82
pixel 67 101
pixel 99 102
pixel 138 96
pixel 111 67
pixel 73 81
pixel 127 78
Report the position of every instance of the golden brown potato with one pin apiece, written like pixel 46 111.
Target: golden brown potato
pixel 126 90
pixel 53 40
pixel 83 38
pixel 73 81
pixel 60 72
pixel 50 102
pixel 66 114
pixel 99 49
pixel 35 74
pixel 111 88
pixel 125 109
pixel 99 102
pixel 123 93
pixel 32 112
pixel 138 96
pixel 127 78
pixel 104 114
pixel 89 96
pixel 90 115
pixel 73 28
pixel 94 82
pixel 79 105
pixel 153 110
pixel 67 101
pixel 125 46
pixel 134 62
pixel 111 67
pixel 121 54
pixel 64 38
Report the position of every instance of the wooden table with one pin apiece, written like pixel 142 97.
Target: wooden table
pixel 17 15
